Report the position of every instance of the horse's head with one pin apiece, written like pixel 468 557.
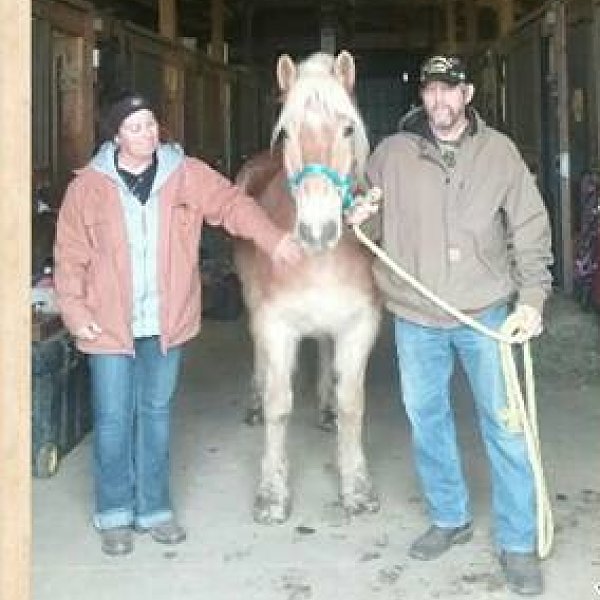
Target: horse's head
pixel 325 143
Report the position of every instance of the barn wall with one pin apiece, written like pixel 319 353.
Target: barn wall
pixel 62 91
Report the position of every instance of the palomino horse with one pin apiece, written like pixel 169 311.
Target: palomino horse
pixel 330 295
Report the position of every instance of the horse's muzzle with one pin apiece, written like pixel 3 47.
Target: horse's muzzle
pixel 319 238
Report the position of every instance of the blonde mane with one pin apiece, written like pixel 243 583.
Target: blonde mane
pixel 317 96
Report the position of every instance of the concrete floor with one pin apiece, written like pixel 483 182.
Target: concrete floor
pixel 319 554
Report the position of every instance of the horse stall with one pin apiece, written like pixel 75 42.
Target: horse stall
pixel 253 113
pixel 212 110
pixel 387 90
pixel 525 61
pixel 551 57
pixel 62 92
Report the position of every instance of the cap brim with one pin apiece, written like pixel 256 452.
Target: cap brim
pixel 449 79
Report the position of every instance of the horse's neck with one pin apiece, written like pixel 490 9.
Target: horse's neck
pixel 256 174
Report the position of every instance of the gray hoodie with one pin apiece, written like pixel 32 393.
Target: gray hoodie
pixel 142 232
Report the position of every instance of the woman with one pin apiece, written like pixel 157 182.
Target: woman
pixel 128 286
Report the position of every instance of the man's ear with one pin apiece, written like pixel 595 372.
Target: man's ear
pixel 469 92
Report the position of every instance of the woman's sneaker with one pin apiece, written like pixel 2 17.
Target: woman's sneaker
pixel 117 541
pixel 168 532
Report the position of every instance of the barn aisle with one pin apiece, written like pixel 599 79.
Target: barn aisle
pixel 319 554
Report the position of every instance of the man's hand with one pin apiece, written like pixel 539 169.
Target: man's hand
pixel 364 206
pixel 524 323
pixel 287 253
pixel 88 332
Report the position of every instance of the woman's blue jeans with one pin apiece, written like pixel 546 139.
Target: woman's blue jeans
pixel 426 361
pixel 131 398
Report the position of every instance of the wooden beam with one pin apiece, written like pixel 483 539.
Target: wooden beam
pixel 451 42
pixel 506 15
pixel 15 317
pixel 472 32
pixel 167 18
pixel 217 30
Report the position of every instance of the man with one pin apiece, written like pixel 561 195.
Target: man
pixel 461 212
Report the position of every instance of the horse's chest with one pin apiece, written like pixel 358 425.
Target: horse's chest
pixel 327 306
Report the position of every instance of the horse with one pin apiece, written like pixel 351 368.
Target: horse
pixel 305 182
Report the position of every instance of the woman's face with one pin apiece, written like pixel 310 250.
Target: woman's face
pixel 138 135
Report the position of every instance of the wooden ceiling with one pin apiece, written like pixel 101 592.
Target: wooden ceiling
pixel 254 29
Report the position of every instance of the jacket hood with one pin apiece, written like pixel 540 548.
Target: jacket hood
pixel 169 157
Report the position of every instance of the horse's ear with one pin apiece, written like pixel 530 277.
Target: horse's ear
pixel 344 70
pixel 286 73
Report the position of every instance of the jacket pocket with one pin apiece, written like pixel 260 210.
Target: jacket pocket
pixel 183 216
pixel 491 251
pixel 99 234
pixel 186 225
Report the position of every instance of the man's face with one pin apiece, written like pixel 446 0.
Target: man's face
pixel 445 105
pixel 138 134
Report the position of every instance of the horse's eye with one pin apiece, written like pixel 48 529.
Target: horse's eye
pixel 348 130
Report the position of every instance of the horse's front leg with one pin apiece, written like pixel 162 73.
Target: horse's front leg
pixel 278 345
pixel 254 409
pixel 352 353
pixel 326 383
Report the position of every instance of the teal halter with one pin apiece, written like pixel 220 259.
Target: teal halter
pixel 343 185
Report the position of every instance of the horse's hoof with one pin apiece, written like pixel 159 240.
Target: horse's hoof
pixel 269 511
pixel 363 502
pixel 328 420
pixel 254 416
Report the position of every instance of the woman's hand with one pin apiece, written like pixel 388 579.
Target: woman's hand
pixel 288 252
pixel 88 332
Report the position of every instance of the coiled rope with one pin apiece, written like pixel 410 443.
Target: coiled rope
pixel 520 412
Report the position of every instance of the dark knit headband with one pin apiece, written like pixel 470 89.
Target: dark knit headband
pixel 121 109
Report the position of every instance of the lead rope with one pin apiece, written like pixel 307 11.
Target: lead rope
pixel 520 411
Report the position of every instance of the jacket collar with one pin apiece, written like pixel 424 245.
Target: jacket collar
pixel 415 122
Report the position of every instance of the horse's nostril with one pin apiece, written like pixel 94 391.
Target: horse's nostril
pixel 329 232
pixel 305 233
pixel 319 239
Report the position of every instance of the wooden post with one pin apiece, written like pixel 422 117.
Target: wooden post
pixel 217 30
pixel 595 76
pixel 451 43
pixel 328 24
pixel 172 97
pixel 471 22
pixel 248 43
pixel 15 315
pixel 506 15
pixel 560 50
pixel 167 18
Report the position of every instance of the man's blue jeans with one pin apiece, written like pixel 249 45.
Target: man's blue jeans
pixel 426 361
pixel 131 398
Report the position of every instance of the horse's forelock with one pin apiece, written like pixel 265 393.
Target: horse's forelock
pixel 319 62
pixel 317 91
